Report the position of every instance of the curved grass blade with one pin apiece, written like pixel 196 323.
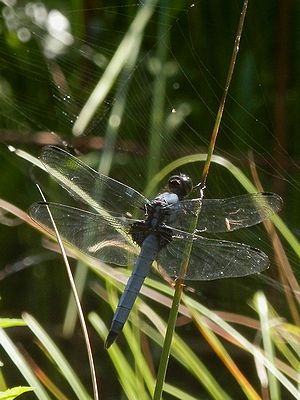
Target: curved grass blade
pixel 58 358
pixel 261 306
pixel 198 310
pixel 11 394
pixel 22 365
pixel 184 355
pixel 125 372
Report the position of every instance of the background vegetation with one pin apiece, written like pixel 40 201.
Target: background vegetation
pixel 160 105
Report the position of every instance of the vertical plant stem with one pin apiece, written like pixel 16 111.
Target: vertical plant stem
pixel 216 128
pixel 164 358
pixel 71 311
pixel 179 283
pixel 78 305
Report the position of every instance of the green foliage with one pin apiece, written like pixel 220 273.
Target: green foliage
pixel 13 393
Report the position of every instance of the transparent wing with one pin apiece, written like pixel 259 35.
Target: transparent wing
pixel 106 239
pixel 85 184
pixel 211 259
pixel 224 215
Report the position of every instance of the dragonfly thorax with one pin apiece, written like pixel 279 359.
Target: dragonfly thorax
pixel 161 209
pixel 158 213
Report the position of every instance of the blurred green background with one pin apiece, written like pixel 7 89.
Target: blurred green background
pixel 161 106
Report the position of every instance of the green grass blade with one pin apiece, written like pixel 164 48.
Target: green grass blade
pixel 183 354
pixel 57 357
pixel 164 358
pixel 261 306
pixel 198 310
pixel 141 365
pixel 11 322
pixel 178 393
pixel 125 372
pixel 22 365
pixel 227 360
pixel 15 392
pixel 132 336
pixel 128 44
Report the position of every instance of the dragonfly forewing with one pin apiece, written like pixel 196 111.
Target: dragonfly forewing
pixel 229 214
pixel 98 191
pixel 106 239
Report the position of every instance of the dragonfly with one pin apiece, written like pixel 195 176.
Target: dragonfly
pixel 120 226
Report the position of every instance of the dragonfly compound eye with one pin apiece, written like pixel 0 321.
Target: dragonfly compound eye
pixel 180 184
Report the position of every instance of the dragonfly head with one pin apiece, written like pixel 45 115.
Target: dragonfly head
pixel 181 185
